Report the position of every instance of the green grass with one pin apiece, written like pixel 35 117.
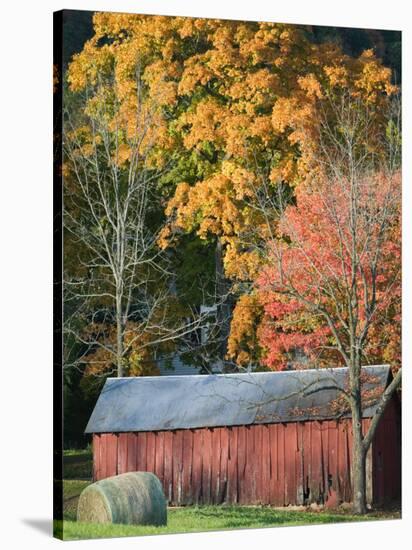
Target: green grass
pixel 71 493
pixel 186 519
pixel 208 518
pixel 78 464
pixel 195 519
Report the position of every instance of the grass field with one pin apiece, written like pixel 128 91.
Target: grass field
pixel 77 464
pixel 186 519
pixel 207 518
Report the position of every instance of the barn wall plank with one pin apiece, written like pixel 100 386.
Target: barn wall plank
pixel 150 451
pixel 197 465
pixel 281 463
pixel 241 464
pixel 187 464
pixel 111 454
pixel 232 465
pixel 244 461
pixel 316 463
pixel 252 443
pixel 342 460
pixel 159 456
pixel 274 489
pixel 168 466
pixel 258 463
pixel 224 462
pixel 96 457
pixel 333 456
pixel 299 464
pixel 141 452
pixel 323 428
pixel 307 460
pixel 131 452
pixel 265 465
pixel 215 465
pixel 207 464
pixel 122 453
pixel 177 466
pixel 349 436
pixel 102 457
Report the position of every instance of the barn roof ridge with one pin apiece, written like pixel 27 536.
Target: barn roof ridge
pixel 157 403
pixel 238 374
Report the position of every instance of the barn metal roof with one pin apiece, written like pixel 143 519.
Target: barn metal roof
pixel 177 402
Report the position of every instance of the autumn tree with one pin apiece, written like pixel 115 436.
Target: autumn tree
pixel 118 285
pixel 260 130
pixel 332 282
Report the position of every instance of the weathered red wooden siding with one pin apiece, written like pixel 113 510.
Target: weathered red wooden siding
pixel 277 464
pixel 386 452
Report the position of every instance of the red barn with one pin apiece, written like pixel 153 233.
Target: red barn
pixel 278 438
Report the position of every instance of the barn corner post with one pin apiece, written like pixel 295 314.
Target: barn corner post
pixel 362 441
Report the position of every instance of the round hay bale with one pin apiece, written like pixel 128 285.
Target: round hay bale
pixel 133 498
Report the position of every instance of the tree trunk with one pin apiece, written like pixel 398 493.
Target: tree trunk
pixel 223 313
pixel 119 337
pixel 358 467
pixel 358 449
pixel 119 350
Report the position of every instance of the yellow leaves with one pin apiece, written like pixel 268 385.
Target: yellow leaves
pixel 165 237
pixel 86 150
pixel 256 88
pixel 374 79
pixel 242 179
pixel 223 35
pixel 311 85
pixel 224 63
pixel 168 51
pixel 242 342
pixel 240 264
pixel 65 170
pixel 337 75
pixel 180 198
pixel 205 123
pixel 187 27
pixel 113 24
pixel 209 207
pixel 285 170
pixel 89 65
pixel 283 113
pixel 161 90
pixel 195 72
pixel 123 154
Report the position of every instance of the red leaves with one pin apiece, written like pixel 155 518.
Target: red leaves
pixel 333 261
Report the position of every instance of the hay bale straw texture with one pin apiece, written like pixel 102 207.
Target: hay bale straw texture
pixel 134 498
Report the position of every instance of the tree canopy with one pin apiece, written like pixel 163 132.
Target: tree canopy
pixel 235 129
